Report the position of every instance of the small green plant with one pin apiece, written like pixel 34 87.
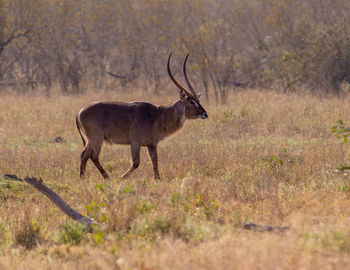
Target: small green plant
pixel 336 240
pixel 341 131
pixel 175 199
pixel 229 177
pixel 97 210
pixel 274 161
pixel 145 207
pixel 3 195
pixel 228 115
pixel 345 188
pixel 342 167
pixel 72 233
pixel 129 190
pixel 101 188
pixel 110 166
pixel 198 201
pixel 14 188
pixel 151 227
pixel 74 146
pixel 99 236
pixel 5 234
pixel 208 207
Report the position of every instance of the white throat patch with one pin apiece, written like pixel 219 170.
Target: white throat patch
pixel 183 117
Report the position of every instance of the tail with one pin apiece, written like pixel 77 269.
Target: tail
pixel 79 129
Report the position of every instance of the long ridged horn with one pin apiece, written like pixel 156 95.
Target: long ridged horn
pixel 175 81
pixel 187 81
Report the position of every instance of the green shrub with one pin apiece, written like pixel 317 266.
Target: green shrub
pixel 72 233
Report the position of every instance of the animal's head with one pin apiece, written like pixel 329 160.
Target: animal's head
pixel 193 108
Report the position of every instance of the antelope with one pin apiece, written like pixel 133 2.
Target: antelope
pixel 136 124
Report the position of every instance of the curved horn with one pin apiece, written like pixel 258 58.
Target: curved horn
pixel 173 79
pixel 186 78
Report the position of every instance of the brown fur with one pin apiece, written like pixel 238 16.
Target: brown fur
pixel 137 124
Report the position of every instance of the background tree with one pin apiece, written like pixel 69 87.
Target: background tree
pixel 117 45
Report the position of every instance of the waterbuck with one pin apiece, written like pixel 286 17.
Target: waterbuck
pixel 135 123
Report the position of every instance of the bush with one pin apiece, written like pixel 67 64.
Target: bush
pixel 72 233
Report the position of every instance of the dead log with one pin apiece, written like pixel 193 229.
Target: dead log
pixel 65 207
pixel 12 177
pixel 265 228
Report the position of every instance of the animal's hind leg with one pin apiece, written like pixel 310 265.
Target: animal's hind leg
pixel 96 161
pixel 85 155
pixel 94 157
pixel 135 154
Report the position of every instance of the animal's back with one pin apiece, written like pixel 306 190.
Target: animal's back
pixel 119 122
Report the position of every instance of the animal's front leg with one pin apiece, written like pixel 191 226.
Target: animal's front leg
pixel 152 150
pixel 135 154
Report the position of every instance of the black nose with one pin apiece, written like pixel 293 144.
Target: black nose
pixel 204 115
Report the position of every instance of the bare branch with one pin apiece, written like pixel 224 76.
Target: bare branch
pixel 12 37
pixel 116 75
pixel 265 228
pixel 65 207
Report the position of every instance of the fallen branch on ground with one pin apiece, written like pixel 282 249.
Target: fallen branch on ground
pixel 65 207
pixel 12 177
pixel 265 228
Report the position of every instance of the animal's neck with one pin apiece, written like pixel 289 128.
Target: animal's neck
pixel 171 118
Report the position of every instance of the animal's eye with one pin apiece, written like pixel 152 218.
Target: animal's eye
pixel 192 102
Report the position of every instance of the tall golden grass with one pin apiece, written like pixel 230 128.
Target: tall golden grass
pixel 264 157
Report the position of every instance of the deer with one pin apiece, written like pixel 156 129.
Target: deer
pixel 138 124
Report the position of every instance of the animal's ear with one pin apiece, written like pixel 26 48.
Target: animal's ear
pixel 183 95
pixel 199 95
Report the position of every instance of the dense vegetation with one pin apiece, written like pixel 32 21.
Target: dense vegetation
pixel 119 44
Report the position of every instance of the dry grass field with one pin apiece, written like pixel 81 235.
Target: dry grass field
pixel 265 157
